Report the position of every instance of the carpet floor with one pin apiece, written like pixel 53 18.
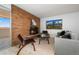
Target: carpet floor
pixel 41 49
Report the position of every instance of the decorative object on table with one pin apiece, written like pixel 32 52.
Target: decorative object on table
pixel 44 35
pixel 54 24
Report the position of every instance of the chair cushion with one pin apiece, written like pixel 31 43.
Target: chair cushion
pixel 29 41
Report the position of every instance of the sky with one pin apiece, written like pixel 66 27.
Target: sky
pixel 4 22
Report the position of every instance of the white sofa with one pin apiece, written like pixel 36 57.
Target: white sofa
pixel 66 46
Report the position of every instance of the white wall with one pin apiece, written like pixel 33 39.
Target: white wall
pixel 70 22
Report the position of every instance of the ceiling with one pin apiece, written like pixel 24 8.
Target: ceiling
pixel 46 10
pixel 6 7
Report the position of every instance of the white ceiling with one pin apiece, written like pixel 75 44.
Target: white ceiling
pixel 45 10
pixel 5 7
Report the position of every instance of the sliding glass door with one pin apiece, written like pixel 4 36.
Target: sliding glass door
pixel 5 40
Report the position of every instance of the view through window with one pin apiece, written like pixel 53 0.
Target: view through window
pixel 4 22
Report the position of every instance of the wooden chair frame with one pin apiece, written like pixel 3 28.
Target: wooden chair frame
pixel 21 46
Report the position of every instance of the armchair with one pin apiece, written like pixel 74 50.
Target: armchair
pixel 44 35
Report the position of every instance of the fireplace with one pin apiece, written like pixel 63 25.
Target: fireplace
pixel 33 28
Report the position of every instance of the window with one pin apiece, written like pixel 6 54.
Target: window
pixel 5 22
